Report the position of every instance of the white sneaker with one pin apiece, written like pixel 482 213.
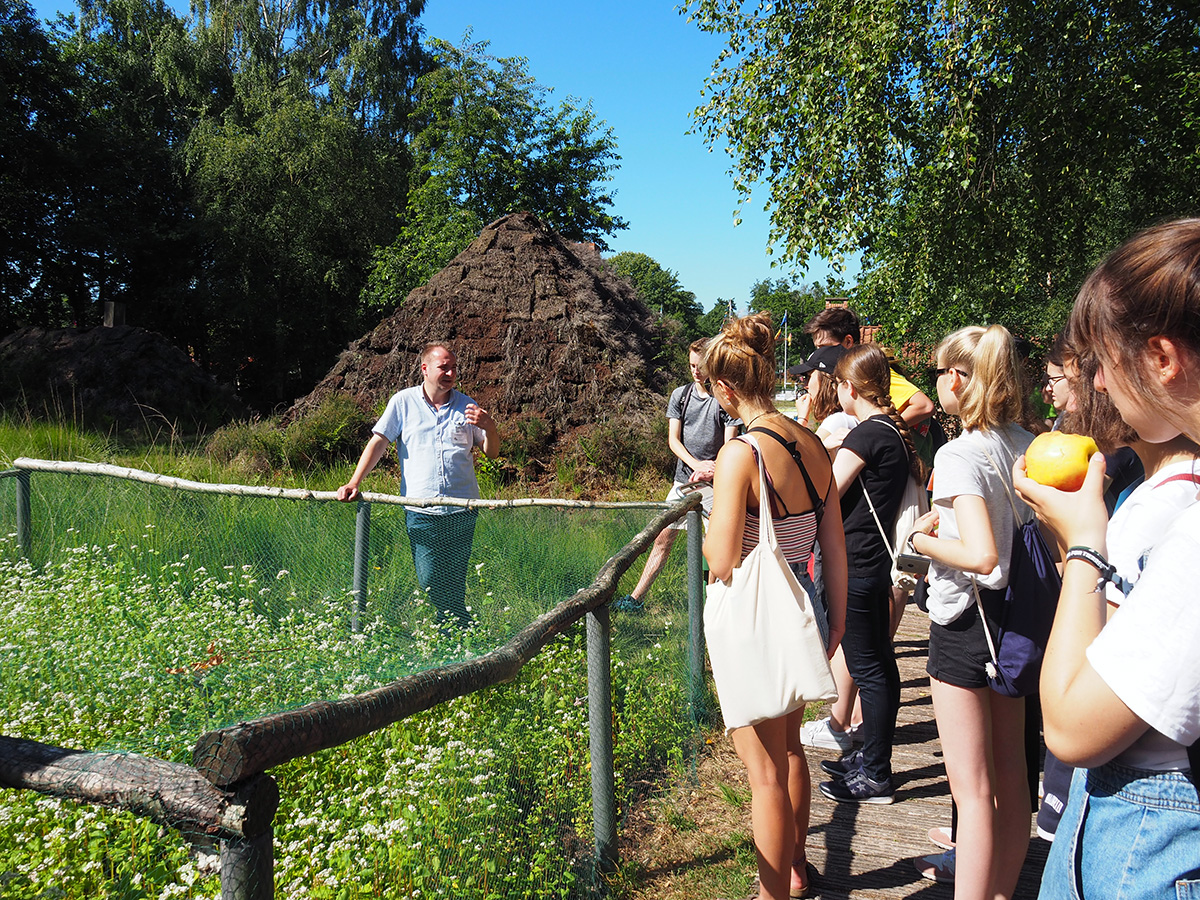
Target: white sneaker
pixel 818 733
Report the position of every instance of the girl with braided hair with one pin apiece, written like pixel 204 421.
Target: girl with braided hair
pixel 871 470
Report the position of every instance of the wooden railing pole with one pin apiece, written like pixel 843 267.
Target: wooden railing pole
pixel 24 513
pixel 248 868
pixel 362 550
pixel 604 801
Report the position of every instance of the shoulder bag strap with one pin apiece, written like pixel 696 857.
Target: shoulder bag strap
pixel 875 516
pixel 817 501
pixel 766 525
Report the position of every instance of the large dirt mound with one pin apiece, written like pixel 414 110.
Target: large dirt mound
pixel 541 327
pixel 125 378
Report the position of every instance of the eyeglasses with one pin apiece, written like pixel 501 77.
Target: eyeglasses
pixel 941 372
pixel 1052 380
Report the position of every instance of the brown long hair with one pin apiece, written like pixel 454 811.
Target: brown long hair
pixel 825 400
pixel 1147 287
pixel 866 368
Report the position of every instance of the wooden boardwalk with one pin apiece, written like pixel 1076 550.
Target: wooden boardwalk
pixel 866 851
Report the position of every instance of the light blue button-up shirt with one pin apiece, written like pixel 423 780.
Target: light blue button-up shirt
pixel 434 446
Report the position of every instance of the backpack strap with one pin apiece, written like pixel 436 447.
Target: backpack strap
pixel 683 405
pixel 817 502
pixel 1183 476
pixel 1017 517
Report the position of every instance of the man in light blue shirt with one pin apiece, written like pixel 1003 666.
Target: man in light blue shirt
pixel 435 429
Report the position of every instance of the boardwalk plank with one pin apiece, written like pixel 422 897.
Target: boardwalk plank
pixel 865 852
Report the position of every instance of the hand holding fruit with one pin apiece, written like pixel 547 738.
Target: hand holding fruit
pixel 1077 516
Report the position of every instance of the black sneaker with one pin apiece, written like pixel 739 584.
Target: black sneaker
pixel 628 603
pixel 856 787
pixel 840 768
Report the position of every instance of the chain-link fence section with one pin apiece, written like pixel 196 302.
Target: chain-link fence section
pixel 139 618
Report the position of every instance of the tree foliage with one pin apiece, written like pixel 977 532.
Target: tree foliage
pixel 490 143
pixel 981 155
pixel 659 288
pixel 231 176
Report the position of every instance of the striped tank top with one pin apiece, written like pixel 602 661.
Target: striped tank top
pixel 795 532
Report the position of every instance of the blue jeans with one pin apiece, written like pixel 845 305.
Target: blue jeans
pixel 1126 834
pixel 441 551
pixel 867 646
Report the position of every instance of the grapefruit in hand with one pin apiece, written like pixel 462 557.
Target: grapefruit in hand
pixel 1059 460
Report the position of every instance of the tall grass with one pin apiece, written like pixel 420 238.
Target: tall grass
pixel 147 616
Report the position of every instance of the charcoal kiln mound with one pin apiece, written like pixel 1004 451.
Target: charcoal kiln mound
pixel 122 378
pixel 548 339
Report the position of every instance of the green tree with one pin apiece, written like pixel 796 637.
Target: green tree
pixel 981 156
pixel 300 165
pixel 38 117
pixel 488 142
pixel 710 323
pixel 659 288
pixel 794 299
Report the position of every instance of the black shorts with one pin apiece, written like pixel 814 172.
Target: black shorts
pixel 958 652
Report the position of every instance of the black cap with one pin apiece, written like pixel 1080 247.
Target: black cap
pixel 823 359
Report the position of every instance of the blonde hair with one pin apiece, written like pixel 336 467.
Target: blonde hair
pixel 866 368
pixel 743 356
pixel 993 395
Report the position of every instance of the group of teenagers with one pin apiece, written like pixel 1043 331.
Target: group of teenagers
pixel 1120 679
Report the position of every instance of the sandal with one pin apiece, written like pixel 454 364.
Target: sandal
pixel 809 887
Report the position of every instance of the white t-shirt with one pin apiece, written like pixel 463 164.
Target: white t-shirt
pixel 1147 653
pixel 834 421
pixel 1144 517
pixel 960 468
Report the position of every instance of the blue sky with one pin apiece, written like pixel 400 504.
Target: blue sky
pixel 642 65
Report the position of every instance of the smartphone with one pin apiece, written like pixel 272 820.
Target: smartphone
pixel 912 563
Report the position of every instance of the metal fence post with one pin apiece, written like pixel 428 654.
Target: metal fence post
pixel 695 546
pixel 604 801
pixel 248 868
pixel 24 513
pixel 362 549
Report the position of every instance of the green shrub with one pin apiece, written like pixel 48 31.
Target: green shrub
pixel 336 431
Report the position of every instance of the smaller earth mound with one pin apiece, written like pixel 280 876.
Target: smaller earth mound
pixel 124 377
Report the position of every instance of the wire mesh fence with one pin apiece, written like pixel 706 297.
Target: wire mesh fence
pixel 142 618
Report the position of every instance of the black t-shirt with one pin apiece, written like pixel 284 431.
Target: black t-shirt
pixel 879 445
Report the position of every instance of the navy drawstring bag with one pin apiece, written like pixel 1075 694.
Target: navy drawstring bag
pixel 1027 615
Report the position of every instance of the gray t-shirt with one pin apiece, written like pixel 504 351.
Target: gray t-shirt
pixel 962 468
pixel 704 424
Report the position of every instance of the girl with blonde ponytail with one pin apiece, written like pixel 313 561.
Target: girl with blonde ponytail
pixel 982 732
pixel 871 470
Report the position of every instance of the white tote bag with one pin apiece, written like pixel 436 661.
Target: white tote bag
pixel 767 656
